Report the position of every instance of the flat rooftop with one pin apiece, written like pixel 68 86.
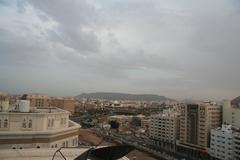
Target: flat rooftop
pixel 42 154
pixel 39 111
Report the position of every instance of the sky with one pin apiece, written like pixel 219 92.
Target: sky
pixel 179 49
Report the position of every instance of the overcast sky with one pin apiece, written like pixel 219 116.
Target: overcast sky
pixel 180 49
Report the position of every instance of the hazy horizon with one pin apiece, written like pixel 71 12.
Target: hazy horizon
pixel 178 49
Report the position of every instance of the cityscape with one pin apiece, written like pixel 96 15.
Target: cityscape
pixel 119 80
pixel 161 129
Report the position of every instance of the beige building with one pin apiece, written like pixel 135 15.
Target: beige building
pixel 195 124
pixel 164 129
pixel 42 128
pixel 38 100
pixel 63 103
pixel 231 114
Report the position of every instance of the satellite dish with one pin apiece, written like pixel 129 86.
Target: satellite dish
pixel 110 152
pixel 106 153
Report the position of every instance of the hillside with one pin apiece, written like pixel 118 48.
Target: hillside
pixel 122 96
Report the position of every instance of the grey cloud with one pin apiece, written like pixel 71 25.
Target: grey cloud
pixel 72 17
pixel 178 48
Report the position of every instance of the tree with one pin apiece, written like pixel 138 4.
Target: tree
pixel 114 124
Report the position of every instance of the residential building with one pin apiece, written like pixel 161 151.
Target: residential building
pixel 44 127
pixel 195 124
pixel 164 129
pixel 37 100
pixel 221 144
pixel 236 145
pixel 63 103
pixel 145 123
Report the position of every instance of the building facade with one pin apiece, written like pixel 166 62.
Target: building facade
pixel 42 128
pixel 164 129
pixel 38 100
pixel 195 124
pixel 236 145
pixel 221 144
pixel 63 103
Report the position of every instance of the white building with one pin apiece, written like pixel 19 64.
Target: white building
pixel 236 145
pixel 221 145
pixel 164 129
pixel 43 128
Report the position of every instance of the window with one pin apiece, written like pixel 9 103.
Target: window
pixel 30 123
pixel 38 146
pixel 5 124
pixel 49 122
pixel 24 124
pixel 0 123
pixel 52 122
pixel 76 141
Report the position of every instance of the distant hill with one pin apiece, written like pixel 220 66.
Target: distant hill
pixel 236 101
pixel 122 96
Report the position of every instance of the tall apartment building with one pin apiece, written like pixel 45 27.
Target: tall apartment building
pixel 41 128
pixel 63 103
pixel 225 143
pixel 164 129
pixel 195 124
pixel 236 145
pixel 221 144
pixel 37 100
pixel 231 114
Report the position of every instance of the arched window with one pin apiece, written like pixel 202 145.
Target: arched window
pixel 55 145
pixel 52 146
pixel 24 124
pixel 5 124
pixel 64 144
pixel 30 123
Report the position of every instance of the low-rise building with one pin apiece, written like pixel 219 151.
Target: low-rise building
pixel 63 103
pixel 37 100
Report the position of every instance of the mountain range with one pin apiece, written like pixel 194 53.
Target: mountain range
pixel 122 96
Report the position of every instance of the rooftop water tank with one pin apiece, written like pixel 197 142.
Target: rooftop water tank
pixel 23 106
